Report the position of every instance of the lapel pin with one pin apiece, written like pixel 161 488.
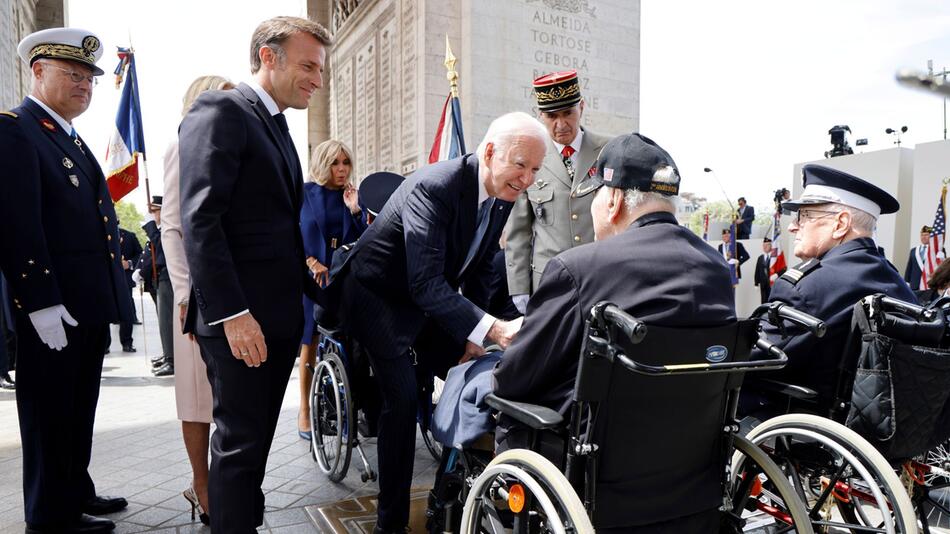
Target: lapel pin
pixel 68 163
pixel 73 179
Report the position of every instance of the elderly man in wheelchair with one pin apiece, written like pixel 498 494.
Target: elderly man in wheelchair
pixel 872 395
pixel 638 453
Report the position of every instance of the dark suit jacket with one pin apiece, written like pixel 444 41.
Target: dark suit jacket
pixel 241 191
pixel 407 266
pixel 155 238
pixel 131 250
pixel 745 229
pixel 829 290
pixel 59 240
pixel 912 272
pixel 743 257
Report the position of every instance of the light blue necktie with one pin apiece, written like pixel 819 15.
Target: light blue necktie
pixel 484 215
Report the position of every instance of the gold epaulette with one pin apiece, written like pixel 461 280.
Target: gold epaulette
pixel 9 114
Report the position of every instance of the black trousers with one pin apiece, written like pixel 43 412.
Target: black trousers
pixel 56 394
pixel 165 306
pixel 125 329
pixel 397 438
pixel 245 409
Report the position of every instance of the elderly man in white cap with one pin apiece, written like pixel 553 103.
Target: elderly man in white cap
pixel 61 255
pixel 833 223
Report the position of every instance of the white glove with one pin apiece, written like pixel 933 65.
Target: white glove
pixel 732 261
pixel 48 324
pixel 137 276
pixel 520 302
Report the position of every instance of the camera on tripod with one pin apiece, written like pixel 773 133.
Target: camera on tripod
pixel 839 141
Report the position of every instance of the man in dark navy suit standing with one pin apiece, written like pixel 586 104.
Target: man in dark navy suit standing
pixel 437 234
pixel 241 191
pixel 60 244
pixel 131 250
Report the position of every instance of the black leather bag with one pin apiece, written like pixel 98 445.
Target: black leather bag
pixel 899 398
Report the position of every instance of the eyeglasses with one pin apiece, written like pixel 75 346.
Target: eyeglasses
pixel 76 77
pixel 808 215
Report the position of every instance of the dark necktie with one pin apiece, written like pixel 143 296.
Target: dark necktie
pixel 281 121
pixel 566 154
pixel 484 215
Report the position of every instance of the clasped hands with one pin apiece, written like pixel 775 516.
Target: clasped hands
pixel 501 333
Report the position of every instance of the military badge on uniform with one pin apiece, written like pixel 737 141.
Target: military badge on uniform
pixel 73 179
pixel 68 163
pixel 48 124
pixel 592 171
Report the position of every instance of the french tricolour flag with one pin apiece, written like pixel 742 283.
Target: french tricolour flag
pixel 127 144
pixel 449 140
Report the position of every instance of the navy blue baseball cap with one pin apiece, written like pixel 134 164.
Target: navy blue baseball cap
pixel 822 185
pixel 634 161
pixel 376 189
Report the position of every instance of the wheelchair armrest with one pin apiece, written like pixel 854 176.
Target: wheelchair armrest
pixel 333 332
pixel 790 390
pixel 532 415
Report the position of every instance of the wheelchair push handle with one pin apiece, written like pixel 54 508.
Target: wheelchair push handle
pixel 915 311
pixel 777 312
pixel 631 327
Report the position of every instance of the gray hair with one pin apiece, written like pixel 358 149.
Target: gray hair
pixel 634 198
pixel 508 127
pixel 862 222
pixel 273 32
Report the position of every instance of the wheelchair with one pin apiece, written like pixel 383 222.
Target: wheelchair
pixel 342 391
pixel 847 484
pixel 675 453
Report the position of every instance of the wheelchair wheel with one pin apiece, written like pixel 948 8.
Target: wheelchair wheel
pixel 332 417
pixel 845 483
pixel 520 476
pixel 426 409
pixel 762 498
pixel 932 489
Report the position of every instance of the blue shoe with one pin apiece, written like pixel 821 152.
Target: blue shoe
pixel 304 435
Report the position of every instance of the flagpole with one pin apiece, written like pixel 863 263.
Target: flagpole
pixel 452 74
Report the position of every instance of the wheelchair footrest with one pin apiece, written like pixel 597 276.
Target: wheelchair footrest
pixel 532 415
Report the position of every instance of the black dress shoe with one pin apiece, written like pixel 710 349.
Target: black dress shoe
pixel 166 369
pixel 157 360
pixel 136 322
pixel 128 348
pixel 104 504
pixel 6 382
pixel 86 524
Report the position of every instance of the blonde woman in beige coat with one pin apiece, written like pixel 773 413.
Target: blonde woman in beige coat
pixel 192 390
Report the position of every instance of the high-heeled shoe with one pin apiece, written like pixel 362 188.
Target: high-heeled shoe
pixel 192 497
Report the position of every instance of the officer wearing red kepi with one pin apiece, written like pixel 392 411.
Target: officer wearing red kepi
pixel 553 215
pixel 60 244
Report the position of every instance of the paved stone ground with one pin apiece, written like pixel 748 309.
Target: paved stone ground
pixel 138 453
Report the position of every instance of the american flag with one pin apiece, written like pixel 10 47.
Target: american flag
pixel 935 244
pixel 777 257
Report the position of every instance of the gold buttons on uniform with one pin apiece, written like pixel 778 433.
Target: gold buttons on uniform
pixel 574 216
pixel 112 255
pixel 105 219
pixel 577 239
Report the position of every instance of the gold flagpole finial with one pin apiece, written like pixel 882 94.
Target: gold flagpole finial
pixel 452 75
